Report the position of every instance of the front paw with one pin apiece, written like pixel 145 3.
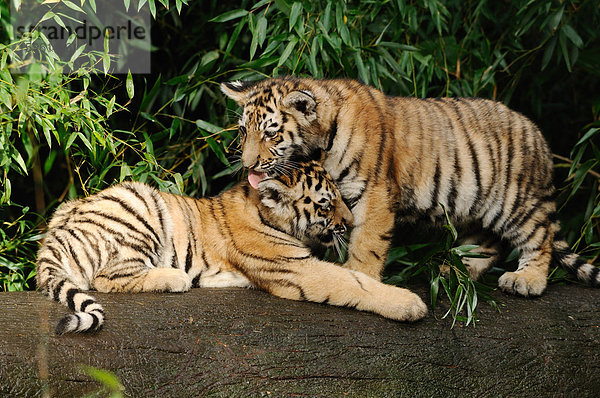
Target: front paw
pixel 403 305
pixel 524 282
pixel 167 280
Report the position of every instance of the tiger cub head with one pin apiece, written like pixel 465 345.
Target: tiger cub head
pixel 278 122
pixel 306 204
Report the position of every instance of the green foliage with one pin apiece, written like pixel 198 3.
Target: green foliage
pixel 17 253
pixel 110 384
pixel 441 262
pixel 585 167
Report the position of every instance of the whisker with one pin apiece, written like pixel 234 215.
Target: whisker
pixel 339 247
pixel 234 113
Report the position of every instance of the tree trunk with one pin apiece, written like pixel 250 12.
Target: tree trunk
pixel 236 342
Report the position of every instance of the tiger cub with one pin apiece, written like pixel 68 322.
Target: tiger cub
pixel 413 158
pixel 134 238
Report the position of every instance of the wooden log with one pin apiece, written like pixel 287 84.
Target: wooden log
pixel 236 342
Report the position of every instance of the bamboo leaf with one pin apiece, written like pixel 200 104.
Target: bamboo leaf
pixel 229 16
pixel 294 14
pixel 77 53
pixel 129 85
pixel 261 30
pixel 288 51
pixel 572 35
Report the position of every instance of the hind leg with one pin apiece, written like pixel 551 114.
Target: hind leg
pixel 490 247
pixel 533 237
pixel 135 276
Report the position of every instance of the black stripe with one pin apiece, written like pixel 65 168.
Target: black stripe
pixel 188 257
pixel 579 262
pixel 49 260
pixel 519 219
pixel 205 262
pixel 188 218
pixel 213 211
pixel 382 133
pixel 475 161
pixel 266 285
pixel 332 133
pixel 196 280
pixel 264 221
pixel 488 145
pixel 349 140
pixel 85 304
pixel 294 258
pixel 57 288
pixel 594 279
pixel 132 274
pixel 121 221
pixel 95 321
pixel 95 260
pixel 472 152
pixel 70 295
pixel 356 258
pixel 359 283
pixel 355 199
pixel 387 236
pixel 224 223
pixel 278 240
pixel 135 214
pixel 275 270
pixel 436 187
pixel 307 216
pixel 57 254
pixel 79 236
pixel 510 155
pixel 78 322
pixel 453 183
pixel 494 220
pixel 378 257
pixel 67 246
pixel 122 239
pixel 174 260
pixel 159 211
pixel 344 173
pixel 534 231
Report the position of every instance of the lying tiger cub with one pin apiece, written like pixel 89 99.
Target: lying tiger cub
pixel 134 238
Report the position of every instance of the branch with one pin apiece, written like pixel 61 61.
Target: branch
pixel 569 161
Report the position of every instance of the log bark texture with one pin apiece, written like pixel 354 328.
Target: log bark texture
pixel 236 342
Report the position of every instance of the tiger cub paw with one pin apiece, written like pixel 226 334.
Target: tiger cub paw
pixel 524 282
pixel 403 305
pixel 167 280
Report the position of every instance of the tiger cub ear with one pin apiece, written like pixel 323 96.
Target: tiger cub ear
pixel 300 101
pixel 237 90
pixel 274 193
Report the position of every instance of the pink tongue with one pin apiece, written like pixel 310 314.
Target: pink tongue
pixel 254 178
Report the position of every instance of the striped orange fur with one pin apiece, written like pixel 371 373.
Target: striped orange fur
pixel 134 238
pixel 406 157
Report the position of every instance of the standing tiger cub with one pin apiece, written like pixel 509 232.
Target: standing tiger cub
pixel 405 157
pixel 134 238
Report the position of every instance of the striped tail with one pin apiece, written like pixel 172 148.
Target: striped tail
pixel 88 316
pixel 562 255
